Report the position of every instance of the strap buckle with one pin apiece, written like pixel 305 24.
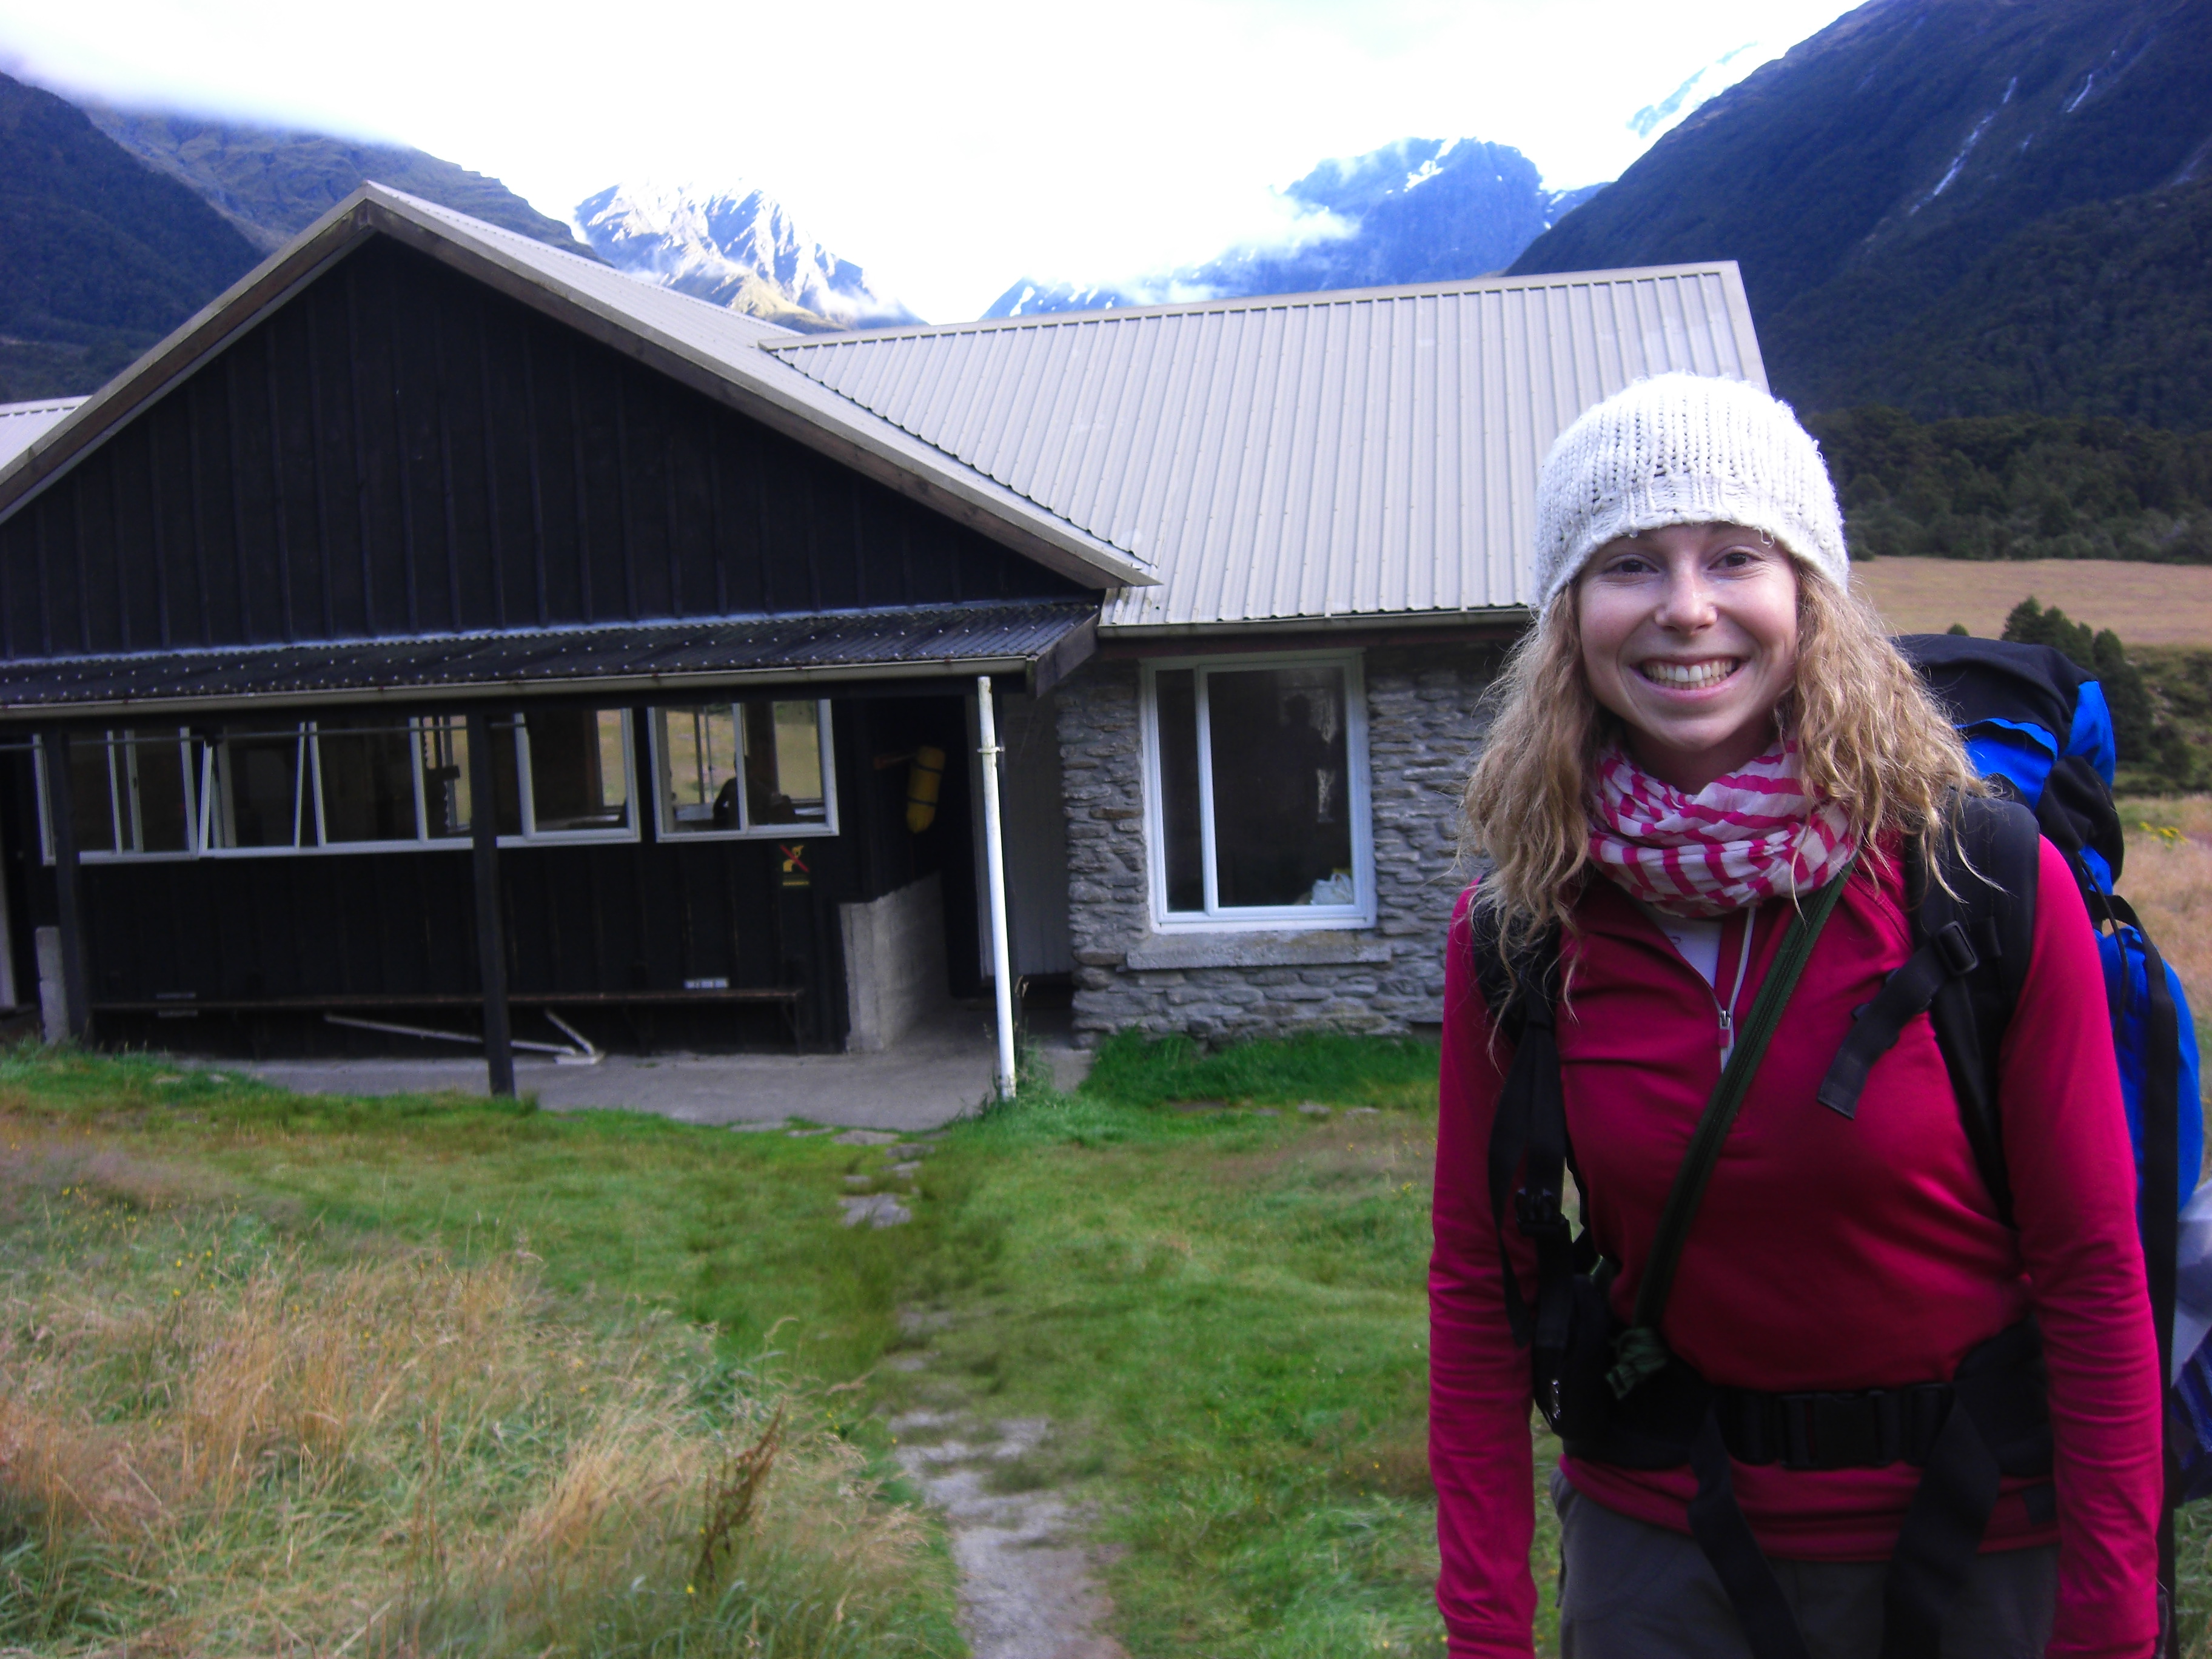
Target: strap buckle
pixel 1955 950
pixel 1539 1214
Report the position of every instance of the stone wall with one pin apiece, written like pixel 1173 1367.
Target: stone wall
pixel 1421 732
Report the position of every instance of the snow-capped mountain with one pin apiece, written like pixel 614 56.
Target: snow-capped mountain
pixel 1653 121
pixel 738 248
pixel 1419 211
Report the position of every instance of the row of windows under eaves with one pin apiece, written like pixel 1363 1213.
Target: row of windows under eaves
pixel 396 450
pixel 351 782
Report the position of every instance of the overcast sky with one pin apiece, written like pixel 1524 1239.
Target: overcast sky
pixel 950 148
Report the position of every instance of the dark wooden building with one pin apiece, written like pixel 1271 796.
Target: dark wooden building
pixel 431 566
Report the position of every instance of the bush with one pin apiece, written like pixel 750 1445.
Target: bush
pixel 2134 723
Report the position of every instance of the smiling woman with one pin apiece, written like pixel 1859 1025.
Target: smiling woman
pixel 1792 1333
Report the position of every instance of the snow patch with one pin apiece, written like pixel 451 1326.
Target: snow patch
pixel 1957 162
pixel 1713 79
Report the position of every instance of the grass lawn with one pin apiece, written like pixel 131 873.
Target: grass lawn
pixel 1214 1295
pixel 1221 1309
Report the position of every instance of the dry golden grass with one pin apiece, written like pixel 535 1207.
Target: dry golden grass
pixel 2168 879
pixel 2143 604
pixel 215 1444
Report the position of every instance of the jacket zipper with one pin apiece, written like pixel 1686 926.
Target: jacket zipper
pixel 1726 1011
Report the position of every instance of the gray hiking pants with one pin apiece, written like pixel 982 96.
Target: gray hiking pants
pixel 1631 1590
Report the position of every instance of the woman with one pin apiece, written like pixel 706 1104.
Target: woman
pixel 1704 733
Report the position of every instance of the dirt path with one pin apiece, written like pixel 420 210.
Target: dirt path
pixel 1027 1588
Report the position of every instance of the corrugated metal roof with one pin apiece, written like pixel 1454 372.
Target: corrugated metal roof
pixel 22 424
pixel 714 339
pixel 1286 458
pixel 677 659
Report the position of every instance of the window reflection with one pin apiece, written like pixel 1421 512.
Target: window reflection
pixel 579 777
pixel 259 799
pixel 733 768
pixel 1254 771
pixel 365 767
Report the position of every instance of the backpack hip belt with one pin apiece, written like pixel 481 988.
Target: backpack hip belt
pixel 2001 1384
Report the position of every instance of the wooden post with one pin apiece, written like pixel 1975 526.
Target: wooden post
pixel 61 826
pixel 491 930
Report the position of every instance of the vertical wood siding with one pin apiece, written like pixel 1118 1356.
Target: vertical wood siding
pixel 398 451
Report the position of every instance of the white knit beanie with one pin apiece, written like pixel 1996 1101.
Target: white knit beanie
pixel 1684 449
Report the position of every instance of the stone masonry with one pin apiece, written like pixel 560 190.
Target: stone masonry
pixel 1421 734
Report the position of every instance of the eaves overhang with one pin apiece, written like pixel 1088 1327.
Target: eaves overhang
pixel 1039 642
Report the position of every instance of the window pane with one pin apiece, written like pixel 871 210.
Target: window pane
pixel 576 778
pixel 368 778
pixel 699 768
pixel 157 820
pixel 92 809
pixel 783 763
pixel 1175 695
pixel 445 746
pixel 1282 830
pixel 261 784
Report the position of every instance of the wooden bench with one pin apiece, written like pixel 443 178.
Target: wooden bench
pixel 785 998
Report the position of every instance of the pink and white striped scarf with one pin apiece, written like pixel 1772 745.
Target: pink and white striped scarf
pixel 1751 835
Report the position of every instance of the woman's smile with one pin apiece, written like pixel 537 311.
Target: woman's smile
pixel 1700 676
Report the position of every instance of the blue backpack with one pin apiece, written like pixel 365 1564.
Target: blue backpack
pixel 2037 725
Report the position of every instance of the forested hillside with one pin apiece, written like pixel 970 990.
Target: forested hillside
pixel 274 183
pixel 2019 487
pixel 2103 310
pixel 1953 206
pixel 99 255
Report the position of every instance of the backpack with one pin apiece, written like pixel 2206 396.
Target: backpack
pixel 2036 726
pixel 2011 702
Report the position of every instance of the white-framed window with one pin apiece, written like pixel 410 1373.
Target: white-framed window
pixel 757 766
pixel 349 783
pixel 567 776
pixel 1255 792
pixel 132 795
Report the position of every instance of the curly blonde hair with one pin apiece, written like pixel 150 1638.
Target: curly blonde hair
pixel 1868 734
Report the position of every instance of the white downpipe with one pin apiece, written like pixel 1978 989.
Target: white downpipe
pixel 1002 967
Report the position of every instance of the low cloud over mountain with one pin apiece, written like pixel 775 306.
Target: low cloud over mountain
pixel 1419 211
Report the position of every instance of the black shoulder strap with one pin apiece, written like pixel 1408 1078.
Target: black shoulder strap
pixel 1993 903
pixel 1529 1126
pixel 1972 944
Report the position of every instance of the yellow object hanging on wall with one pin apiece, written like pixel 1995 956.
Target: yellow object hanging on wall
pixel 923 780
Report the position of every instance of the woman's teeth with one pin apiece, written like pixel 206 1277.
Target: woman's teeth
pixel 1690 676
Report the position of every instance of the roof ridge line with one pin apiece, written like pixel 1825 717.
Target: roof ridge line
pixel 1493 283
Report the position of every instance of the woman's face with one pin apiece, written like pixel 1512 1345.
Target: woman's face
pixel 1690 634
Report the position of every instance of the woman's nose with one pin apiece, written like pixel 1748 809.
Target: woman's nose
pixel 1688 602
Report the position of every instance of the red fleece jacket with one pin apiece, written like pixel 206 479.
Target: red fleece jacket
pixel 1830 1253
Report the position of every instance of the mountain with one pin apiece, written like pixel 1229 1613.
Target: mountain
pixel 740 249
pixel 272 183
pixel 1419 211
pixel 99 255
pixel 1961 207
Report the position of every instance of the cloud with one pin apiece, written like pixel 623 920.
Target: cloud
pixel 948 148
